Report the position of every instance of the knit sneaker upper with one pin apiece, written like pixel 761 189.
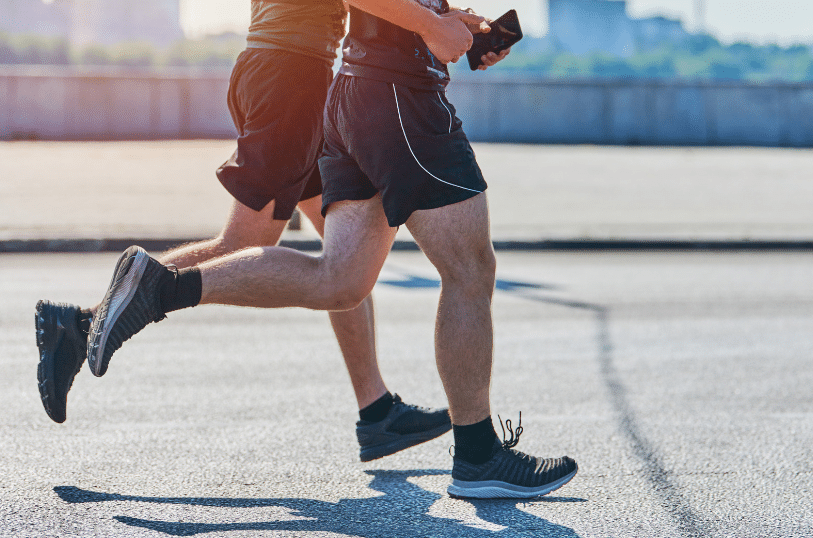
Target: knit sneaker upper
pixel 131 303
pixel 404 426
pixel 514 467
pixel 510 473
pixel 62 351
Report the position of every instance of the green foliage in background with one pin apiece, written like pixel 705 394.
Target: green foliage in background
pixel 212 51
pixel 701 58
pixel 25 49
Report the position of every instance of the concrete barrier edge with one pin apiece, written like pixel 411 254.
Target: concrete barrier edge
pixel 573 245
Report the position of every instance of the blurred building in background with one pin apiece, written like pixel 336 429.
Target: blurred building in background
pixel 35 17
pixel 102 22
pixel 598 77
pixel 585 26
pixel 105 21
pixel 654 31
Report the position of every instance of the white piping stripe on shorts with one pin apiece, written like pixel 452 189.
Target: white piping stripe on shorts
pixel 447 110
pixel 398 107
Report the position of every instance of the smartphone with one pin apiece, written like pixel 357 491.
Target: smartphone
pixel 505 31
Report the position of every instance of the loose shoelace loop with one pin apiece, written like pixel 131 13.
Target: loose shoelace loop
pixel 514 439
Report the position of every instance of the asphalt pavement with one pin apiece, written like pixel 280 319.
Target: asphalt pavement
pixel 679 379
pixel 680 382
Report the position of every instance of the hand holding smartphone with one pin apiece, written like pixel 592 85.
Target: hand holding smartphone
pixel 505 31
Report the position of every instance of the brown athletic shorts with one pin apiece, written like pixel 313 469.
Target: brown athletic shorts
pixel 276 99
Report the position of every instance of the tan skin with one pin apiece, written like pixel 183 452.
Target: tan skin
pixel 242 267
pixel 357 240
pixel 356 244
pixel 354 329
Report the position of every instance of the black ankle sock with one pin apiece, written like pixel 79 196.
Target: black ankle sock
pixel 377 411
pixel 180 289
pixel 84 319
pixel 474 443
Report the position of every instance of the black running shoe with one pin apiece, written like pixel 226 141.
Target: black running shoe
pixel 131 303
pixel 510 474
pixel 63 347
pixel 404 426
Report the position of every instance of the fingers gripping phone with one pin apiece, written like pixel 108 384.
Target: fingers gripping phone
pixel 505 31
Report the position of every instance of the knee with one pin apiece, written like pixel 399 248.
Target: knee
pixel 474 270
pixel 346 292
pixel 486 268
pixel 214 248
pixel 348 297
pixel 228 244
pixel 221 246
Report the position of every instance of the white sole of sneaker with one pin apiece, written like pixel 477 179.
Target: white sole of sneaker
pixel 123 289
pixel 495 489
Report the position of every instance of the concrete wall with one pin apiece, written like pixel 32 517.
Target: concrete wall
pixel 97 104
pixel 651 113
pixel 53 103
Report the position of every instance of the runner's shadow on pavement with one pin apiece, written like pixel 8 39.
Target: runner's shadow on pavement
pixel 402 512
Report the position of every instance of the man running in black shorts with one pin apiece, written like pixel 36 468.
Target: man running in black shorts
pixel 276 97
pixel 394 154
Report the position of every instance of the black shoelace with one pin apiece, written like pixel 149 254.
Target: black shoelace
pixel 514 439
pixel 510 442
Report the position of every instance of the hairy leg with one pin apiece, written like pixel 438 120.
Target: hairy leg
pixel 354 329
pixel 244 228
pixel 356 243
pixel 457 241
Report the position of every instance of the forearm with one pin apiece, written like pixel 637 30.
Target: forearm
pixel 407 14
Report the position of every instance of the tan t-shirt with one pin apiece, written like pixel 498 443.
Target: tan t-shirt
pixel 311 27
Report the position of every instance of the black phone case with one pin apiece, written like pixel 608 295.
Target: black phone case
pixel 505 31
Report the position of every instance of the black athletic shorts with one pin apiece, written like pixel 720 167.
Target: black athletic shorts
pixel 405 143
pixel 276 99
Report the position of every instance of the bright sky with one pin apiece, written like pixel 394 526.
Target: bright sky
pixel 781 21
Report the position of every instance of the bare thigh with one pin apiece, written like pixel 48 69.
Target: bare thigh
pixel 312 208
pixel 248 228
pixel 357 240
pixel 456 238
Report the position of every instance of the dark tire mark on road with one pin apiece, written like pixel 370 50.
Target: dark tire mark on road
pixel 688 522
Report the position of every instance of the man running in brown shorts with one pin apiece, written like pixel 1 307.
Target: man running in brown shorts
pixel 276 97
pixel 395 154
